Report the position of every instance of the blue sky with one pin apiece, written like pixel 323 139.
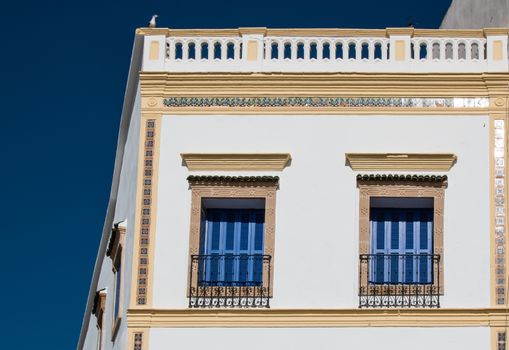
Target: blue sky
pixel 64 71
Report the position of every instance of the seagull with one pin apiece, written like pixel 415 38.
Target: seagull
pixel 152 23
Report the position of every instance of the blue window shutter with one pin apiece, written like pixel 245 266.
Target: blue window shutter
pixel 409 228
pixel 257 269
pixel 404 240
pixel 230 232
pixel 394 229
pixel 231 238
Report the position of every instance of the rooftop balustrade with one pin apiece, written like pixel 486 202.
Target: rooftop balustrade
pixel 326 50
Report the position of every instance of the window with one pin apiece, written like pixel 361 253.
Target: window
pixel 401 240
pixel 117 270
pixel 231 241
pixel 98 310
pixel 115 252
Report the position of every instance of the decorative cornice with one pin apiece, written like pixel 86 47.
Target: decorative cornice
pixel 422 85
pixel 326 102
pixel 235 161
pixel 253 30
pixel 232 180
pixel 401 161
pixel 496 31
pixel 313 318
pixel 402 178
pixel 326 32
pixel 400 31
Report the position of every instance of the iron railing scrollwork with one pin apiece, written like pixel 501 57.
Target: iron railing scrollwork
pixel 399 280
pixel 230 281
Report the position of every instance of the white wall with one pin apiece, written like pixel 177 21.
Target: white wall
pixel 320 338
pixel 316 246
pixel 477 14
pixel 124 210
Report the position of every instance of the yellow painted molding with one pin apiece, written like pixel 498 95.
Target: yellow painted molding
pixel 253 30
pixel 236 161
pixel 401 161
pixel 400 50
pixel 497 50
pixel 154 51
pixel 252 50
pixel 449 33
pixel 326 32
pixel 324 84
pixel 400 31
pixel 496 31
pixel 145 318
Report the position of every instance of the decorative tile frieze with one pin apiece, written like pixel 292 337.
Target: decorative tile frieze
pixel 335 102
pixel 500 210
pixel 501 341
pixel 146 209
pixel 138 341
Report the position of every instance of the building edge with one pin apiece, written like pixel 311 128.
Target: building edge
pixel 125 120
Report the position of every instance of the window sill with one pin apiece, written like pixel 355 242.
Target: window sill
pixel 114 330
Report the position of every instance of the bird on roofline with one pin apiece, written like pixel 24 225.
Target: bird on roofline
pixel 152 23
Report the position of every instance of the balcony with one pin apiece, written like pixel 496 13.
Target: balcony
pixel 399 281
pixel 229 281
pixel 388 50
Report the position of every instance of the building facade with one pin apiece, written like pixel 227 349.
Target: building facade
pixel 297 188
pixel 477 14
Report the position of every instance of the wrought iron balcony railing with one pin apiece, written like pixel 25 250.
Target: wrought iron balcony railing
pixel 229 281
pixel 399 280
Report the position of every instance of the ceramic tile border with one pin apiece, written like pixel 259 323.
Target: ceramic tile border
pixel 326 102
pixel 499 198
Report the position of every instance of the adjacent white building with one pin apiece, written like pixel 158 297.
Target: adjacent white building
pixel 298 188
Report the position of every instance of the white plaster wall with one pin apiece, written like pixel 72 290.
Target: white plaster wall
pixel 320 338
pixel 477 14
pixel 316 245
pixel 124 210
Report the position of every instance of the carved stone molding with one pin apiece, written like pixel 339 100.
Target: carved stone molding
pixel 432 189
pixel 224 187
pixel 235 161
pixel 401 161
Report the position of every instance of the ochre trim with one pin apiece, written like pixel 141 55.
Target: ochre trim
pixel 235 161
pixel 401 161
pixel 313 318
pixel 252 50
pixel 146 200
pixel 495 31
pixel 161 84
pixel 326 32
pixel 252 30
pixel 498 338
pixel 154 51
pixel 400 31
pixel 137 338
pixel 497 50
pixel 400 50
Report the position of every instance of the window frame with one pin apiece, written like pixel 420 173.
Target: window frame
pixel 203 187
pixel 99 311
pixel 402 186
pixel 115 252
